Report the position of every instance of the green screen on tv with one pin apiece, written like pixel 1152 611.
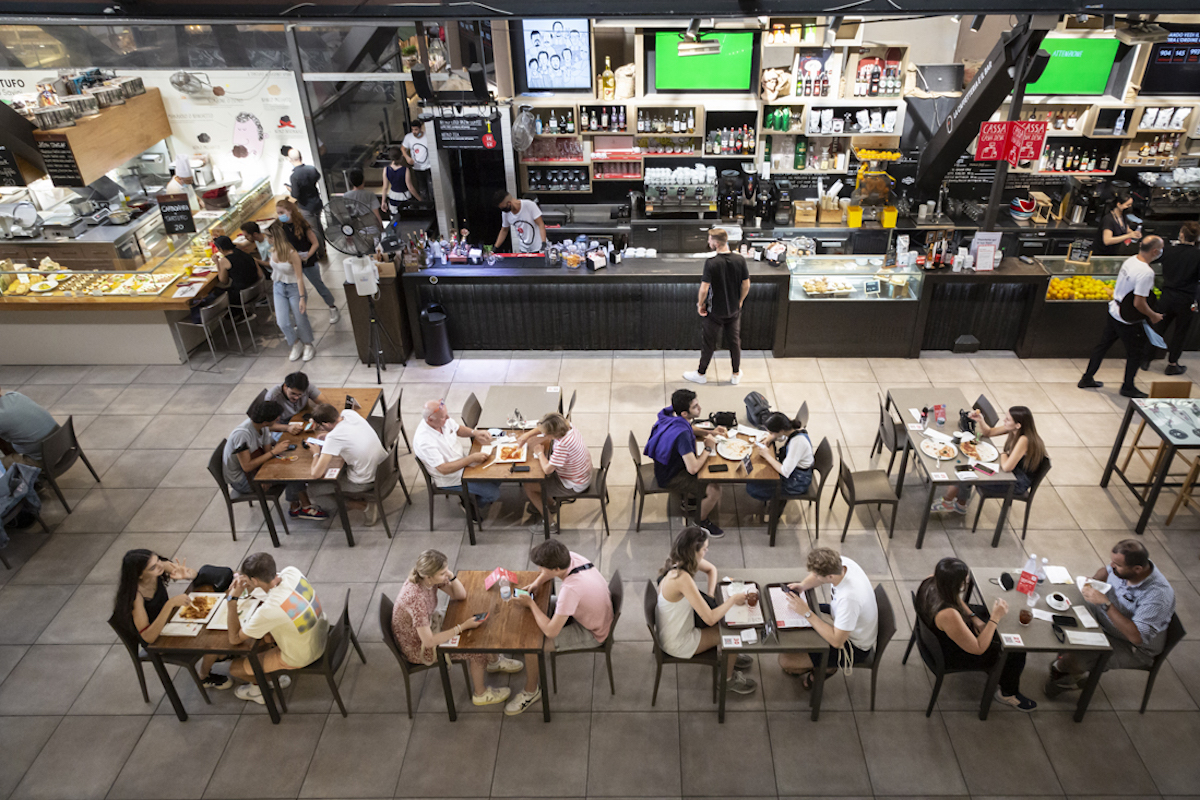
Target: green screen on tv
pixel 1077 66
pixel 728 70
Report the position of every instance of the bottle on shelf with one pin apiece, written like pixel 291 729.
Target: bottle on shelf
pixel 641 122
pixel 537 124
pixel 608 81
pixel 621 122
pixel 691 121
pixel 553 122
pixel 593 124
pixel 603 117
pixel 824 83
pixel 750 140
pixel 570 122
pixel 1058 160
pixel 1104 161
pixel 1072 118
pixel 1119 127
pixel 801 159
pixel 824 162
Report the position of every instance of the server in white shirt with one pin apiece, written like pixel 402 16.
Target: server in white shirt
pixel 525 219
pixel 1126 313
pixel 348 436
pixel 436 443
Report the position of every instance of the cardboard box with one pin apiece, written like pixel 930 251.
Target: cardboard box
pixel 804 212
pixel 830 216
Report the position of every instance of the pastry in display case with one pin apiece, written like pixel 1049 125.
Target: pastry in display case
pixel 851 278
pixel 1075 282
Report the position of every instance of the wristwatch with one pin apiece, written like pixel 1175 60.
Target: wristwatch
pixel 808 614
pixel 1105 606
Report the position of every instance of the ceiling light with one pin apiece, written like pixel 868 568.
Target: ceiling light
pixel 977 22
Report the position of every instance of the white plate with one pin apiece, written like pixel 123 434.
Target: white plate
pixel 44 286
pixel 734 449
pixel 520 459
pixel 984 452
pixel 932 448
pixel 1058 606
pixel 217 597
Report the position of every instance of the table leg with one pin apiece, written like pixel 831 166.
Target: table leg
pixel 468 505
pixel 903 466
pixel 818 690
pixel 266 509
pixel 1093 681
pixel 268 692
pixel 444 670
pixel 344 514
pixel 1159 479
pixel 168 686
pixel 993 680
pixel 925 514
pixel 722 667
pixel 1004 507
pixel 1116 450
pixel 776 513
pixel 545 509
pixel 544 685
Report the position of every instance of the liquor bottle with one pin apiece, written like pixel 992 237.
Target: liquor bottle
pixel 614 124
pixel 691 125
pixel 1072 118
pixel 603 117
pixel 750 141
pixel 824 83
pixel 1058 120
pixel 873 88
pixel 570 122
pixel 1119 127
pixel 1104 163
pixel 621 122
pixel 608 81
pixel 553 122
pixel 593 124
pixel 641 122
pixel 537 125
pixel 824 162
pixel 1071 161
pixel 801 159
pixel 1058 160
pixel 675 122
pixel 740 144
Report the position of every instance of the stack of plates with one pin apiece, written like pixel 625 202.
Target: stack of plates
pixel 1021 208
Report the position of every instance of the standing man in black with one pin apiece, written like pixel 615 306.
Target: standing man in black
pixel 1180 293
pixel 303 185
pixel 723 289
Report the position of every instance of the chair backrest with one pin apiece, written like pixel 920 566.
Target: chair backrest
pixel 216 467
pixel 635 450
pixel 258 398
pixel 60 448
pixel 887 427
pixel 887 623
pixel 823 463
pixel 389 636
pixel 649 606
pixel 471 411
pixel 386 474
pixel 927 643
pixel 1175 634
pixel 214 310
pixel 985 408
pixel 616 590
pixel 391 430
pixel 802 415
pixel 571 405
pixel 1035 480
pixel 248 296
pixel 845 476
pixel 131 642
pixel 429 478
pixel 338 641
pixel 1171 389
pixel 399 401
pixel 605 462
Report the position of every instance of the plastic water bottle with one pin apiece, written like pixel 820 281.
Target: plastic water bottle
pixel 505 589
pixel 1041 573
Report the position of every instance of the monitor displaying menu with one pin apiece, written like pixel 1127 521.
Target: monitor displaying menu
pixel 1174 65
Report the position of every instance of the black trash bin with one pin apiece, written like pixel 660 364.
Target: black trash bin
pixel 436 335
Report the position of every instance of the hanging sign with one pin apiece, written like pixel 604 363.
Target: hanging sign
pixel 176 213
pixel 1026 139
pixel 468 133
pixel 993 136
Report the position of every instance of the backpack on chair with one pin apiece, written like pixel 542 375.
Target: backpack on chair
pixel 757 410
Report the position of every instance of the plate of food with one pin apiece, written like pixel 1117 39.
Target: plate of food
pixel 938 449
pixel 734 449
pixel 980 451
pixel 44 286
pixel 511 453
pixel 204 605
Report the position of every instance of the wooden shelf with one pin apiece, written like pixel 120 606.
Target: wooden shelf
pixel 556 136
pixel 554 163
pixel 671 135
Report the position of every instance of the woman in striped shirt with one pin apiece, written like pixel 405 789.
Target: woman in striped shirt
pixel 568 468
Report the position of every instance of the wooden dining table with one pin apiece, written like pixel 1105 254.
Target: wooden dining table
pixel 505 472
pixel 285 469
pixel 509 628
pixel 734 471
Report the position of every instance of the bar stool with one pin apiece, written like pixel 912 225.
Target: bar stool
pixel 1159 389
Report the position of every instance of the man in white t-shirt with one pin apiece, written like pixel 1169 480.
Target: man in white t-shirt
pixel 525 219
pixel 436 444
pixel 416 154
pixel 852 603
pixel 350 437
pixel 1126 312
pixel 290 613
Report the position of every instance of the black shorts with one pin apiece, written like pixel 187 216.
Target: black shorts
pixel 686 484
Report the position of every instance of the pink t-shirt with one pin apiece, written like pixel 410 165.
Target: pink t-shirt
pixel 585 597
pixel 572 461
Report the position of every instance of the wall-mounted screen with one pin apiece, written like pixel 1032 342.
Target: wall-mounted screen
pixel 732 69
pixel 558 53
pixel 1077 66
pixel 1174 65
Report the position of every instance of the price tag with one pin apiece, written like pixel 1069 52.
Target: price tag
pixel 871 287
pixel 553 389
pixel 915 426
pixel 731 641
pixel 1012 639
pixel 332 473
pixel 22 277
pixel 938 476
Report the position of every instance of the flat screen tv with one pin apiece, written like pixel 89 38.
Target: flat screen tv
pixel 557 53
pixel 1077 66
pixel 1174 65
pixel 730 70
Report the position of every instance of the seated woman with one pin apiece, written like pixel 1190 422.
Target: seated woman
pixel 681 604
pixel 142 606
pixel 967 633
pixel 1022 455
pixel 796 468
pixel 418 629
pixel 568 468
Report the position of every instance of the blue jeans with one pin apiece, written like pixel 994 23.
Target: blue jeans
pixel 287 314
pixel 313 275
pixel 486 492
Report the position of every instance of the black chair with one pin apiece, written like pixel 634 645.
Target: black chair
pixel 707 659
pixel 133 646
pixel 597 489
pixel 12 514
pixel 341 636
pixel 616 590
pixel 889 435
pixel 931 653
pixel 1175 634
pixel 802 415
pixel 1035 480
pixel 570 406
pixel 461 493
pixel 60 449
pixel 989 413
pixel 887 629
pixel 644 482
pixel 869 487
pixel 400 419
pixel 273 491
pixel 407 668
pixel 471 411
pixel 387 475
pixel 822 466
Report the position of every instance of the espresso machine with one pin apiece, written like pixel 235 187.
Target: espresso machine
pixel 764 205
pixel 730 203
pixel 783 203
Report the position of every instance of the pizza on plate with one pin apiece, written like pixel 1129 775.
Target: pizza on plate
pixel 970 449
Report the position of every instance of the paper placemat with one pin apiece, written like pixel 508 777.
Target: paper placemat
pixel 1085 617
pixel 1058 575
pixel 742 615
pixel 1087 638
pixel 182 628
pixel 785 617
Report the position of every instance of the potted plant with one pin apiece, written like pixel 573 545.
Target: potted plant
pixel 408 56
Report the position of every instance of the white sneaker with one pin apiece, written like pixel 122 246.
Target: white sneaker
pixel 249 691
pixel 334 316
pixel 285 681
pixel 735 378
pixel 694 377
pixel 491 696
pixel 522 701
pixel 297 349
pixel 503 664
pixel 309 352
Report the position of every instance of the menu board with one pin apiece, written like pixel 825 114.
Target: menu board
pixel 176 213
pixel 59 160
pixel 468 133
pixel 10 173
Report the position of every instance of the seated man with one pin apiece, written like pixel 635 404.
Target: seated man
pixel 582 617
pixel 855 613
pixel 568 469
pixel 672 445
pixel 236 269
pixel 348 436
pixel 250 446
pixel 436 444
pixel 294 395
pixel 1134 613
pixel 290 614
pixel 23 424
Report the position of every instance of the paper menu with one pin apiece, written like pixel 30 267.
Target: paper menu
pixel 785 617
pixel 1087 638
pixel 1059 575
pixel 742 615
pixel 182 628
pixel 1043 615
pixel 246 608
pixel 1085 617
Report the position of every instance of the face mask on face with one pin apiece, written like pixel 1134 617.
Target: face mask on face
pixel 285 217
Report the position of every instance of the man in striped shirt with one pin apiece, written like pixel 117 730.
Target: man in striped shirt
pixel 1134 612
pixel 568 468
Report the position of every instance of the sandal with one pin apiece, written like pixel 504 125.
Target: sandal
pixel 807 681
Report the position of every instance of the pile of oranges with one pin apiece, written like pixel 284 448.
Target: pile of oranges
pixel 1080 287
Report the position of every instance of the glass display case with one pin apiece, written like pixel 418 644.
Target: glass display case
pixel 1091 282
pixel 851 278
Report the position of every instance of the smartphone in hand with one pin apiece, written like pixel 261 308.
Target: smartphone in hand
pixel 481 617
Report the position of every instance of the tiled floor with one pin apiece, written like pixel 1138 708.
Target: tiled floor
pixel 72 723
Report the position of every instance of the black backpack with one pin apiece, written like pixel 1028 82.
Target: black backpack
pixel 757 410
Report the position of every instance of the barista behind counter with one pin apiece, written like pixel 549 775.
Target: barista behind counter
pixel 1115 229
pixel 525 219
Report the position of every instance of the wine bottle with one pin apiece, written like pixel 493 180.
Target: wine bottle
pixel 608 81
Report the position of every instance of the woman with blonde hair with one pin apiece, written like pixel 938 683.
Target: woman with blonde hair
pixel 304 240
pixel 1022 455
pixel 417 626
pixel 568 468
pixel 291 297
